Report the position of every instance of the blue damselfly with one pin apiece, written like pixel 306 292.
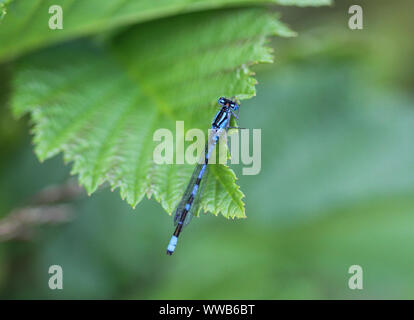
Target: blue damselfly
pixel 192 195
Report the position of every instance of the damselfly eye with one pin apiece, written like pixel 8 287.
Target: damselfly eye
pixel 221 100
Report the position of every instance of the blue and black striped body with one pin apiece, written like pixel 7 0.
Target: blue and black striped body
pixel 186 206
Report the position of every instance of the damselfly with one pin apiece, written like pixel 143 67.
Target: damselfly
pixel 192 195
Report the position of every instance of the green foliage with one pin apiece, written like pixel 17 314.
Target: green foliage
pixel 336 189
pixel 101 106
pixel 27 20
pixel 100 100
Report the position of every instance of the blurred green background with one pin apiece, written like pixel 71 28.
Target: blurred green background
pixel 336 187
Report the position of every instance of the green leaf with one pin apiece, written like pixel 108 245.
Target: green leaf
pixel 101 106
pixel 26 26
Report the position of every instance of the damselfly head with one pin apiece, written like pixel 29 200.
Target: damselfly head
pixel 229 103
pixel 234 105
pixel 222 101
